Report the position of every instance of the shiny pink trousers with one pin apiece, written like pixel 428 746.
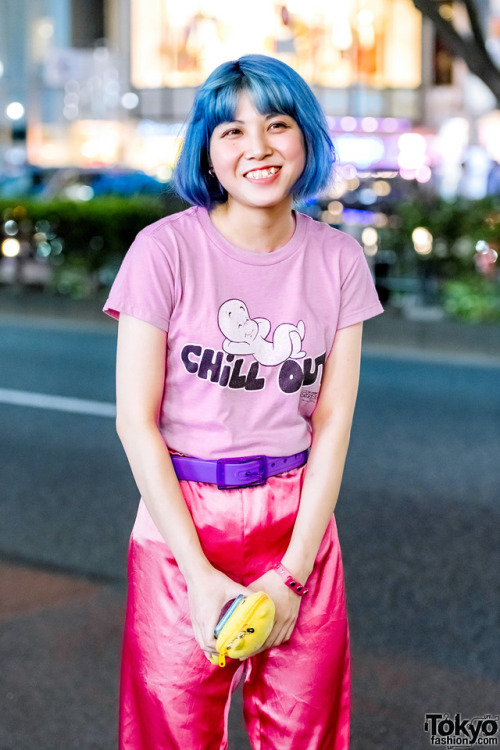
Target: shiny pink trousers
pixel 296 696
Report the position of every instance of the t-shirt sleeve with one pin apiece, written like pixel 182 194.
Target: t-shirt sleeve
pixel 145 284
pixel 358 296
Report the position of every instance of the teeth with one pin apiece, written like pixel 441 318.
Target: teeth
pixel 259 174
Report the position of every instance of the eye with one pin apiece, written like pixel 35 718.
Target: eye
pixel 230 131
pixel 280 125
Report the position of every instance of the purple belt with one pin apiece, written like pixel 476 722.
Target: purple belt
pixel 231 473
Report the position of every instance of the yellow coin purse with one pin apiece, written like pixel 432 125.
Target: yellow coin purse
pixel 244 627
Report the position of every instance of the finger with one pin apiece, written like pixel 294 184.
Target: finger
pixel 278 639
pixel 208 649
pixel 289 633
pixel 205 640
pixel 282 633
pixel 274 637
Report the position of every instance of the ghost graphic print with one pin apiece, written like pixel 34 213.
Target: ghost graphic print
pixel 246 335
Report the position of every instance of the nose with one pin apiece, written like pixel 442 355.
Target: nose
pixel 257 146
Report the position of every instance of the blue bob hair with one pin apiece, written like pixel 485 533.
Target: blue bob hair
pixel 275 88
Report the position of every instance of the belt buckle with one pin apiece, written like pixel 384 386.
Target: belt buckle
pixel 261 472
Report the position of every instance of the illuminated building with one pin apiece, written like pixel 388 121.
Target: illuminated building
pixel 362 58
pixel 111 81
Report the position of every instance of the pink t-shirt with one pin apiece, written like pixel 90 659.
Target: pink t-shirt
pixel 248 333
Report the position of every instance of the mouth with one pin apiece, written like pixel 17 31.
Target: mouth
pixel 262 174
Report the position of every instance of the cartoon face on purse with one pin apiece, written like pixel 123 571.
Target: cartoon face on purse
pixel 244 627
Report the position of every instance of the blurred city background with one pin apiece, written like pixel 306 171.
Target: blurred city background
pixel 94 95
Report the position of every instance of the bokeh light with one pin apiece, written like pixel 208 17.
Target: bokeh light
pixel 11 248
pixel 14 111
pixel 422 240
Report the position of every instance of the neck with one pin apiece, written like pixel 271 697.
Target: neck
pixel 258 229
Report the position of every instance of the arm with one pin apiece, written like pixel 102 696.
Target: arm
pixel 140 379
pixel 332 421
pixel 236 347
pixel 331 424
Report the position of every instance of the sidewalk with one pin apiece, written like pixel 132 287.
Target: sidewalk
pixel 393 333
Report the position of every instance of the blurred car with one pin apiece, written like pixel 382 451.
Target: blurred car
pixel 85 184
pixel 30 181
pixel 364 196
pixel 80 184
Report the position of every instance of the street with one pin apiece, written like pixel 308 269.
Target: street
pixel 418 519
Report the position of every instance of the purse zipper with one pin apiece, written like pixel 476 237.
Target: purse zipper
pixel 228 644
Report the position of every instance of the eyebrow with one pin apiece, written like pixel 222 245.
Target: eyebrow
pixel 268 117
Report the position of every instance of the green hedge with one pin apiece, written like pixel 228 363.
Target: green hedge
pixel 456 227
pixel 85 242
pixel 97 233
pixel 474 299
pixel 92 235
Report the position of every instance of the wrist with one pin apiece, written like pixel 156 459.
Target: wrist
pixel 300 568
pixel 197 570
pixel 289 579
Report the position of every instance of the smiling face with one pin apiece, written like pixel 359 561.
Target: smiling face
pixel 257 158
pixel 235 322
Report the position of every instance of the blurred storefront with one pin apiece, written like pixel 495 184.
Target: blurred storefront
pixel 114 84
pixel 338 44
pixel 362 57
pixel 106 82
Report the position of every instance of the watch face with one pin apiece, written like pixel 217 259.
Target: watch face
pixel 226 612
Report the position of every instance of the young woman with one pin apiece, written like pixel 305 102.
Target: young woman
pixel 237 371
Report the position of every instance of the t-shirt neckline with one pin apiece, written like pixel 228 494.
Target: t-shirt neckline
pixel 248 256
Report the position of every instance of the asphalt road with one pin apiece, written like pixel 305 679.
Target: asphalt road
pixel 418 516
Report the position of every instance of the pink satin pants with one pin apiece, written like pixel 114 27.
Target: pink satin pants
pixel 296 696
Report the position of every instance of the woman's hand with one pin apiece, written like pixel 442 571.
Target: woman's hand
pixel 287 607
pixel 208 592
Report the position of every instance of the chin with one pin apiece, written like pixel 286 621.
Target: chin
pixel 270 202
